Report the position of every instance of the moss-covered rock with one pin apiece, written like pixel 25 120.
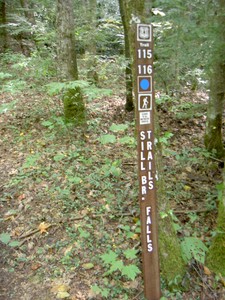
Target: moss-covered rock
pixel 74 107
pixel 171 262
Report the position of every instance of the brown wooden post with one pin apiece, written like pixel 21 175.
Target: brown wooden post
pixel 145 101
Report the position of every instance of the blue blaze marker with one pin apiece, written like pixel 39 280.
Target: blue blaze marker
pixel 144 84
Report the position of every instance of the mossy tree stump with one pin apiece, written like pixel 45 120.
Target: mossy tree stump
pixel 74 107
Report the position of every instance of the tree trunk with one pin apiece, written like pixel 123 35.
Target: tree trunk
pixel 67 60
pixel 213 135
pixel 215 258
pixel 24 37
pixel 92 74
pixel 74 108
pixel 27 11
pixel 128 72
pixel 3 31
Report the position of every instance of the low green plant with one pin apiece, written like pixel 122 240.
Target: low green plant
pixel 7 106
pixel 165 138
pixel 6 239
pixel 14 86
pixel 116 267
pixel 114 264
pixel 193 247
pixel 103 291
pixel 107 139
pixel 5 75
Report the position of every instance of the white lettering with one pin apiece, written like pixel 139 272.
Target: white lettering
pixel 149 132
pixel 150 248
pixel 142 166
pixel 144 45
pixel 151 185
pixel 148 221
pixel 148 210
pixel 148 231
pixel 150 157
pixel 142 135
pixel 149 241
pixel 143 180
pixel 150 175
pixel 143 190
pixel 142 156
pixel 149 146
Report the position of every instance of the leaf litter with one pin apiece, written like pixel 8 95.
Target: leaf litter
pixel 70 197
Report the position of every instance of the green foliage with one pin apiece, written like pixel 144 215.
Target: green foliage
pixel 7 106
pixel 165 138
pixel 182 47
pixel 107 139
pixel 111 260
pixel 92 92
pixel 193 247
pixel 104 292
pixel 118 127
pixel 14 86
pixel 56 88
pixel 5 238
pixel 5 75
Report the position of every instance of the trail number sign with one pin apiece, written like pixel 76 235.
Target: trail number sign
pixel 146 159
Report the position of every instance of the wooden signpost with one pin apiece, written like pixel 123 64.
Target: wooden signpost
pixel 146 160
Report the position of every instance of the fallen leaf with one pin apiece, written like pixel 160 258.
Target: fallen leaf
pixel 68 250
pixel 62 295
pixel 21 197
pixel 10 215
pixel 107 207
pixel 43 227
pixel 207 271
pixel 135 236
pixel 36 266
pixel 222 279
pixel 63 288
pixel 88 266
pixel 131 285
pixel 187 188
pixel 59 288
pixel 189 169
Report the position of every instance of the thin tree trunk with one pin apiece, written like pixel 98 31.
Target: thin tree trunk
pixel 3 31
pixel 128 72
pixel 213 135
pixel 27 11
pixel 215 258
pixel 74 108
pixel 92 74
pixel 66 40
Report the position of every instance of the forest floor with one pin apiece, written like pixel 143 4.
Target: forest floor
pixel 68 198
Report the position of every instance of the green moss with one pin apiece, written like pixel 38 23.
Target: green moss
pixel 74 108
pixel 216 256
pixel 171 263
pixel 213 136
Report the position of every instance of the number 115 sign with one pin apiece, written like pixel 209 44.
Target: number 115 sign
pixel 145 106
